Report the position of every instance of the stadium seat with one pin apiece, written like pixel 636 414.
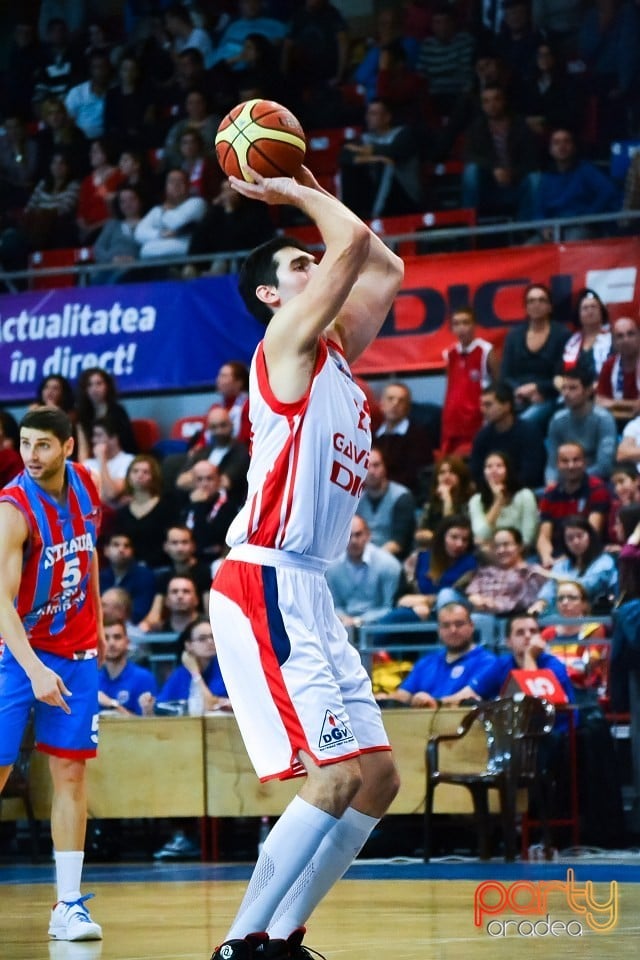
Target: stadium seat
pixel 62 257
pixel 146 432
pixel 323 154
pixel 414 222
pixel 186 427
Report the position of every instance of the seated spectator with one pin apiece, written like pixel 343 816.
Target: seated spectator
pixel 450 562
pixel 591 346
pixel 575 492
pixel 184 34
pixel 445 59
pixel 129 111
pixel 471 365
pixel 137 173
pixel 11 463
pixel 401 87
pixel 123 570
pixel 572 187
pixel 232 383
pixel 18 164
pixel 500 155
pixel 86 101
pixel 59 67
pixel 316 48
pixel 507 584
pixel 123 685
pixel 97 396
pixel 59 132
pixel 116 244
pixel 388 32
pixel 629 446
pixel 147 513
pixel 625 481
pixel 550 98
pixel 181 607
pixel 443 673
pixel 502 502
pixel 217 446
pixel 208 511
pixel 405 445
pixel 617 388
pixel 231 223
pixel 527 652
pixel 197 661
pixel 117 604
pixel 109 461
pixel 585 660
pixel 451 489
pixel 257 67
pixel 48 220
pixel 197 116
pixel 165 231
pixel 503 432
pixel 582 421
pixel 180 549
pixel 388 508
pixel 584 560
pixel 531 357
pixel 381 170
pixel 56 391
pixel 364 582
pixel 97 191
pixel 202 170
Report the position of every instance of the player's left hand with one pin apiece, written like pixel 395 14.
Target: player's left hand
pixel 268 189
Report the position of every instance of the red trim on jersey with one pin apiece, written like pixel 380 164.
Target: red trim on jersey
pixel 286 409
pixel 66 752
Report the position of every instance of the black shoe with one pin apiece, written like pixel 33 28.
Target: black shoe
pixel 289 949
pixel 240 949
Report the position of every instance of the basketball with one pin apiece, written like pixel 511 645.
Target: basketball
pixel 263 135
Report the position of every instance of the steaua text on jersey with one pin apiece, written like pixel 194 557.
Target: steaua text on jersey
pixel 54 601
pixel 309 461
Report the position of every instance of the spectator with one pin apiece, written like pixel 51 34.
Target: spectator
pixel 591 346
pixel 116 244
pixel 116 604
pixel 549 98
pixel 403 89
pixel 500 155
pixel 450 562
pixel 97 191
pixel 388 508
pixel 364 582
pixel 471 364
pixel 218 447
pixel 258 69
pixel 502 502
pixel 381 170
pixel 405 445
pixel 124 686
pixel 451 489
pixel 572 187
pixel 575 492
pixel 203 172
pixel 560 22
pixel 10 460
pixel 527 652
pixel 185 35
pixel 618 388
pixel 165 231
pixel 137 173
pixel 446 59
pixel 208 511
pixel 23 62
pixel 625 481
pixel 123 570
pixel 147 513
pixel 530 357
pixel 629 446
pixel 316 49
pixel 18 164
pixel 518 39
pixel 197 116
pixel 231 223
pixel 586 662
pixel 181 607
pixel 109 461
pixel 507 584
pixel 96 396
pixel 230 47
pixel 129 110
pixel 232 383
pixel 180 548
pixel 59 132
pixel 505 433
pixel 59 68
pixel 389 32
pixel 443 673
pixel 584 422
pixel 56 391
pixel 585 561
pixel 86 101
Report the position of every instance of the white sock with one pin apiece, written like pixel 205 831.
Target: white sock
pixel 68 873
pixel 287 850
pixel 331 860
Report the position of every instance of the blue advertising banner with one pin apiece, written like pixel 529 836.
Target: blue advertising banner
pixel 150 336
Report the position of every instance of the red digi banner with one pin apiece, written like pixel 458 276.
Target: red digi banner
pixel 493 282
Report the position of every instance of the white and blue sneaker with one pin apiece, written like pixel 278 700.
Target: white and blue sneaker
pixel 72 921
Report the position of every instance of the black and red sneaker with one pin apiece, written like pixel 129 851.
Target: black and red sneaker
pixel 290 949
pixel 244 949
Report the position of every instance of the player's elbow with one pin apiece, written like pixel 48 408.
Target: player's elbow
pixel 358 244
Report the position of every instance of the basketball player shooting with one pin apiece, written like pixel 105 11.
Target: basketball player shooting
pixel 301 697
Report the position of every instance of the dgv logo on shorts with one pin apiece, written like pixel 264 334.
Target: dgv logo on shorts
pixel 333 731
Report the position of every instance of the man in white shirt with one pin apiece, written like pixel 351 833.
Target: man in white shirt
pixel 166 230
pixel 85 102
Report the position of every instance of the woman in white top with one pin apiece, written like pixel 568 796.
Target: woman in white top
pixel 501 502
pixel 591 345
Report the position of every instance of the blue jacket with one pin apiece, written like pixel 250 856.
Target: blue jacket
pixel 575 193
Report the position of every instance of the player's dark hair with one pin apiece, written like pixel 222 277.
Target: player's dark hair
pixel 260 268
pixel 50 419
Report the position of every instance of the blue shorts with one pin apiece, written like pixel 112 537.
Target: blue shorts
pixel 73 735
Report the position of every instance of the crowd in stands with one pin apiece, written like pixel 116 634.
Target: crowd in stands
pixel 526 101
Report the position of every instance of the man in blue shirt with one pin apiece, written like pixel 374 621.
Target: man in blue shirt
pixel 122 685
pixel 441 674
pixel 125 571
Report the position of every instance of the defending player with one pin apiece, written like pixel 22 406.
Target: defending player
pixel 51 625
pixel 300 694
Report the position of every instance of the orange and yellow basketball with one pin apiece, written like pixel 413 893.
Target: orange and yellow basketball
pixel 263 135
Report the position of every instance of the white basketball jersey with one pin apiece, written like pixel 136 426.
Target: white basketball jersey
pixel 308 463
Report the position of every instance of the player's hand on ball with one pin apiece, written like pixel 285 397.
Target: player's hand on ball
pixel 270 190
